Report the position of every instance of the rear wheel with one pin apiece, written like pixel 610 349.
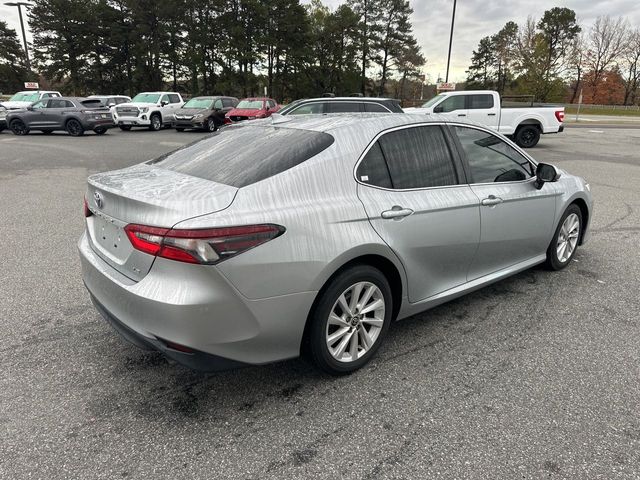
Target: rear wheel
pixel 564 245
pixel 125 128
pixel 156 122
pixel 18 127
pixel 211 126
pixel 74 128
pixel 350 320
pixel 527 136
pixel 100 130
pixel 179 129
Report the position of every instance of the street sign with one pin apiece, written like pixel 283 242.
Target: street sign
pixel 445 87
pixel 31 85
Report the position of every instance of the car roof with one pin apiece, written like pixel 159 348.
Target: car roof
pixel 107 96
pixel 364 121
pixel 350 99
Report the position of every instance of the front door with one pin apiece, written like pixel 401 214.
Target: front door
pixel 35 116
pixel 416 201
pixel 516 218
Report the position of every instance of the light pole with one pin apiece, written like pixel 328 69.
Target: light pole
pixel 24 36
pixel 453 19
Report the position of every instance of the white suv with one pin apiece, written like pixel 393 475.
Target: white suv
pixel 148 109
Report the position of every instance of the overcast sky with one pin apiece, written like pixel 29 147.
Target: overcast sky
pixel 474 20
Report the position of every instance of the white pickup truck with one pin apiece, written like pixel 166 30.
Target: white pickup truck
pixel 24 99
pixel 524 123
pixel 148 109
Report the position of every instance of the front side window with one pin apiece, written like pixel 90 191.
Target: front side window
pixel 490 159
pixel 228 102
pixel 418 157
pixel 452 103
pixel 217 103
pixel 308 109
pixel 40 104
pixel 272 103
pixel 477 102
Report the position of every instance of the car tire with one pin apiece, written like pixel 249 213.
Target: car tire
pixel 156 122
pixel 565 241
pixel 179 129
pixel 125 128
pixel 211 125
pixel 527 136
pixel 100 130
pixel 337 334
pixel 18 127
pixel 74 128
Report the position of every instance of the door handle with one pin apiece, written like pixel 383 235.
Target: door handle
pixel 491 200
pixel 491 114
pixel 396 213
pixel 462 114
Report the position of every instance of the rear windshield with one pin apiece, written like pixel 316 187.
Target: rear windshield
pixel 240 156
pixel 93 103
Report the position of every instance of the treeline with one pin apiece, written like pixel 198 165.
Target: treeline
pixel 236 47
pixel 556 58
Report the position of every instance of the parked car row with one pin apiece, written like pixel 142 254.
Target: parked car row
pixel 156 110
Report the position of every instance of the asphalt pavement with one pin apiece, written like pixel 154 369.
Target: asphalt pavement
pixel 537 376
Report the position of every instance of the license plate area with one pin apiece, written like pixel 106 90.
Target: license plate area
pixel 109 238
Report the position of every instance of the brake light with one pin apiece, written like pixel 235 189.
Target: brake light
pixel 560 115
pixel 206 246
pixel 87 211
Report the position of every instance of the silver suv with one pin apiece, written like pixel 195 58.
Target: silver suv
pixel 312 234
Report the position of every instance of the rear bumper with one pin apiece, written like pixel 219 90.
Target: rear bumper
pixel 196 307
pixel 90 124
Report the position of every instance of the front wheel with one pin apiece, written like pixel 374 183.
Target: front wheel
pixel 100 130
pixel 350 320
pixel 179 129
pixel 565 241
pixel 18 127
pixel 211 125
pixel 156 122
pixel 527 136
pixel 125 128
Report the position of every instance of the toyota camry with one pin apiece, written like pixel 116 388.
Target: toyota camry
pixel 308 234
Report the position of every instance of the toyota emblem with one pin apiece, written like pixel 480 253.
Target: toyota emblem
pixel 98 199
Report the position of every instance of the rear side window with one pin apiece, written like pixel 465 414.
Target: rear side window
pixel 244 155
pixel 480 101
pixel 373 169
pixel 418 157
pixel 343 107
pixel 375 108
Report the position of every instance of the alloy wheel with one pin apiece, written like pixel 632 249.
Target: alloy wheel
pixel 211 125
pixel 74 128
pixel 568 237
pixel 355 322
pixel 155 122
pixel 18 127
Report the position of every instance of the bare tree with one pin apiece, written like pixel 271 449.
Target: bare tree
pixel 631 66
pixel 576 65
pixel 606 45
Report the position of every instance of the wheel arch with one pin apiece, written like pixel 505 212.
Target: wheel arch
pixel 584 210
pixel 529 122
pixel 391 269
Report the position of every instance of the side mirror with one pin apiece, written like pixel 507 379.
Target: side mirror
pixel 111 104
pixel 164 103
pixel 438 109
pixel 546 173
pixel 30 108
pixel 267 108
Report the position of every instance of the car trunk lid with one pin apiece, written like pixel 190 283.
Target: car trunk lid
pixel 145 195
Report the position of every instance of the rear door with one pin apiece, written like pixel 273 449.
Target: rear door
pixel 481 108
pixel 516 217
pixel 415 195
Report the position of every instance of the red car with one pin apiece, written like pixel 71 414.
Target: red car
pixel 252 108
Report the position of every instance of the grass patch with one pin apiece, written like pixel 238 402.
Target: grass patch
pixel 621 112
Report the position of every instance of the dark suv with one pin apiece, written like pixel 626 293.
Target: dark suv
pixel 74 115
pixel 205 113
pixel 342 105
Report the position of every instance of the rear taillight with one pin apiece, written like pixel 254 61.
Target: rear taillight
pixel 87 211
pixel 560 115
pixel 208 246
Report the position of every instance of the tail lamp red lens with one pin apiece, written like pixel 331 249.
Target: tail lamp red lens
pixel 560 115
pixel 87 211
pixel 206 246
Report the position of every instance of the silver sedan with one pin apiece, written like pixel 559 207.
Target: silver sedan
pixel 311 235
